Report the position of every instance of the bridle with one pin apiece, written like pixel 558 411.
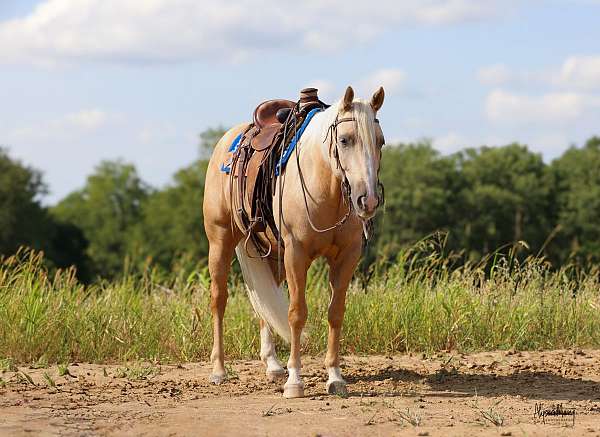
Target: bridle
pixel 345 187
pixel 345 184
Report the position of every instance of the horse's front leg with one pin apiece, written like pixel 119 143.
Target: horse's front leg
pixel 296 264
pixel 341 270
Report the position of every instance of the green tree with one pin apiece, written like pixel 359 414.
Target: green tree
pixel 577 179
pixel 106 210
pixel 23 220
pixel 421 190
pixel 67 247
pixel 171 221
pixel 506 198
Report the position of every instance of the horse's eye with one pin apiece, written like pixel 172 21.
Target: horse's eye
pixel 344 141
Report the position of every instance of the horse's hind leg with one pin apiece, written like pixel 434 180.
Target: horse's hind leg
pixel 267 354
pixel 221 248
pixel 340 274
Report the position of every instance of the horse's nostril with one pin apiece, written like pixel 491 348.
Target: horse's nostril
pixel 367 203
pixel 362 202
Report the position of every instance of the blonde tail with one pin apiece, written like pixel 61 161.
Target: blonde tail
pixel 267 298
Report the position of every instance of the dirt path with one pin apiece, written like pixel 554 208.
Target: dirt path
pixel 445 394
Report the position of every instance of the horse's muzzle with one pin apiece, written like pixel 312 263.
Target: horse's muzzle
pixel 367 204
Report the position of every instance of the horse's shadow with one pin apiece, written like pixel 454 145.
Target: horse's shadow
pixel 454 383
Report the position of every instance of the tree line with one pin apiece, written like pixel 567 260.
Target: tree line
pixel 484 199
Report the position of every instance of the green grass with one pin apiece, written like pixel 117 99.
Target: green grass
pixel 415 303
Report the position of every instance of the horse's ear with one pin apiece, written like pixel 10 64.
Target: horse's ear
pixel 348 98
pixel 377 99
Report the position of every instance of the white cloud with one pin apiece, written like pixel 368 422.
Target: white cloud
pixel 456 10
pixel 547 108
pixel 503 106
pixel 84 121
pixel 88 119
pixel 327 89
pixel 391 79
pixel 581 72
pixel 576 72
pixel 59 31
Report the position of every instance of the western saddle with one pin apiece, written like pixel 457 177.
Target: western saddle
pixel 254 165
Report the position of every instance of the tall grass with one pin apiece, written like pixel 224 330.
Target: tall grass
pixel 416 302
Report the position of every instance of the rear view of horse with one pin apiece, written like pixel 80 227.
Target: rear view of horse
pixel 322 190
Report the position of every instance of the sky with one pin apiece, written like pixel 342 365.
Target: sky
pixel 82 81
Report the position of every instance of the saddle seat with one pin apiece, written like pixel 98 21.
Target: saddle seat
pixel 266 124
pixel 265 114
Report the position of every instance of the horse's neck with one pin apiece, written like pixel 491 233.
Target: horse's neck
pixel 320 178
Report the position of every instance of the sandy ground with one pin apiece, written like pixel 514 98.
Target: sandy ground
pixel 445 394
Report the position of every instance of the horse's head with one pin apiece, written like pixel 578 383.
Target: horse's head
pixel 356 141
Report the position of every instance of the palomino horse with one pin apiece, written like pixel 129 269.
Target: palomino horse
pixel 340 146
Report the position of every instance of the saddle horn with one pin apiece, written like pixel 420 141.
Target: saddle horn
pixel 307 96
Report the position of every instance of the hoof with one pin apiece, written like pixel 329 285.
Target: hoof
pixel 337 388
pixel 217 379
pixel 276 376
pixel 293 391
